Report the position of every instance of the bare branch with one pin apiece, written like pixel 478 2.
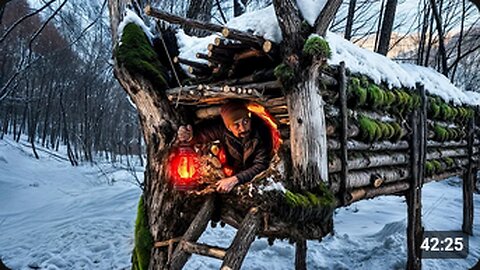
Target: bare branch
pixel 19 21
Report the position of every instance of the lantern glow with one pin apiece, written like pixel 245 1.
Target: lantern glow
pixel 183 168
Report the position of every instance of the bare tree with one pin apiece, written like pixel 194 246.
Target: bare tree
pixel 387 27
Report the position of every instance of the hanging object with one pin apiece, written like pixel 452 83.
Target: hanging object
pixel 183 168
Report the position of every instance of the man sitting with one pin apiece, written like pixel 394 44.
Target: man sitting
pixel 242 135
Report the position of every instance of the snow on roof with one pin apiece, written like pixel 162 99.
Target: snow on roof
pixel 358 60
pixel 132 17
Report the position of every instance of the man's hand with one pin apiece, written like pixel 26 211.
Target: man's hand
pixel 226 185
pixel 184 133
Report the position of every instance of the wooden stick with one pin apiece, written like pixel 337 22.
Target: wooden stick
pixel 196 228
pixel 367 193
pixel 469 182
pixel 254 40
pixel 166 242
pixel 171 18
pixel 191 63
pixel 344 128
pixel 301 254
pixel 242 241
pixel 203 249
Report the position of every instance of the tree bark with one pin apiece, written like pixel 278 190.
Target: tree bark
pixel 387 27
pixel 326 16
pixel 441 38
pixel 350 17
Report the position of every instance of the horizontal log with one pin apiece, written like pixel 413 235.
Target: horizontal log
pixel 191 63
pixel 374 160
pixel 171 18
pixel 367 193
pixel 203 249
pixel 354 145
pixel 244 37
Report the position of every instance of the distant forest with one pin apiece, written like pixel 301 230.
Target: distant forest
pixel 57 85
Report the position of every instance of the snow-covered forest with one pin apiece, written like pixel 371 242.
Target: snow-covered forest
pixel 73 152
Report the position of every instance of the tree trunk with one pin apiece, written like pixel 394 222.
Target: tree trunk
pixel 387 26
pixel 441 39
pixel 350 17
pixel 308 138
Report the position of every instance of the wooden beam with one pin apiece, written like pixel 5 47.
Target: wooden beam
pixel 171 18
pixel 203 249
pixel 344 129
pixel 301 254
pixel 469 181
pixel 198 225
pixel 243 239
pixel 414 193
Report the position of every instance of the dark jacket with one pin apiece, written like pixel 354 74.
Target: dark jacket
pixel 247 157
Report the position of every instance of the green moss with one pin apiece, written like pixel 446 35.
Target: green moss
pixel 449 161
pixel 357 93
pixel 391 131
pixel 322 197
pixel 369 129
pixel 390 98
pixel 429 168
pixel 384 130
pixel 437 165
pixel 376 96
pixel 445 112
pixel 441 133
pixel 138 56
pixel 143 239
pixel 398 132
pixel 317 46
pixel 284 73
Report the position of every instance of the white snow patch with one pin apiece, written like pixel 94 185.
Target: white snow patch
pixel 132 17
pixel 272 186
pixel 311 9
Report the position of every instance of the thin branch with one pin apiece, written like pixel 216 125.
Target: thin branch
pixel 37 33
pixel 19 21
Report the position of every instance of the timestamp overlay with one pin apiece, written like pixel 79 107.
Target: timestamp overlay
pixel 444 245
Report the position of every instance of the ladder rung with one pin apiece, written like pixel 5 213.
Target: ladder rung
pixel 203 249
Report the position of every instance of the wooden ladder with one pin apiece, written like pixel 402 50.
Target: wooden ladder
pixel 232 256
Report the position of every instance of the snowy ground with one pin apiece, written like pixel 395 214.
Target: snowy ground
pixel 54 216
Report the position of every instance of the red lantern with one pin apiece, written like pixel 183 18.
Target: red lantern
pixel 183 168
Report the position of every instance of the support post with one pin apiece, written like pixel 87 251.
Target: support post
pixel 414 193
pixel 469 181
pixel 342 84
pixel 198 225
pixel 301 255
pixel 243 239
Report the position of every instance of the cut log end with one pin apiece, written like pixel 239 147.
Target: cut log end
pixel 148 10
pixel 267 46
pixel 225 32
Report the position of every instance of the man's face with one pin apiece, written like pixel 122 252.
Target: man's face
pixel 241 127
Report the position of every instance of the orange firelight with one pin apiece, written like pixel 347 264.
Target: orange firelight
pixel 183 168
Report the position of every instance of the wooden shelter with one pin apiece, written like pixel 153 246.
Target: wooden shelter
pixel 366 141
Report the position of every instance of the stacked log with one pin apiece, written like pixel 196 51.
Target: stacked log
pixel 378 162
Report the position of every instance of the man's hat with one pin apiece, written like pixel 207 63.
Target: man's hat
pixel 233 111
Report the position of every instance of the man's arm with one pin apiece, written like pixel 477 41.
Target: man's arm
pixel 260 163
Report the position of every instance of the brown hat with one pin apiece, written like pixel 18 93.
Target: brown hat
pixel 233 111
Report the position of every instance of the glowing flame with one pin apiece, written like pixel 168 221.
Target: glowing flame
pixel 185 168
pixel 260 111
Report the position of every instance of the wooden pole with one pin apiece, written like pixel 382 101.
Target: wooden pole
pixel 301 255
pixel 469 181
pixel 198 225
pixel 344 130
pixel 414 193
pixel 242 241
pixel 171 18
